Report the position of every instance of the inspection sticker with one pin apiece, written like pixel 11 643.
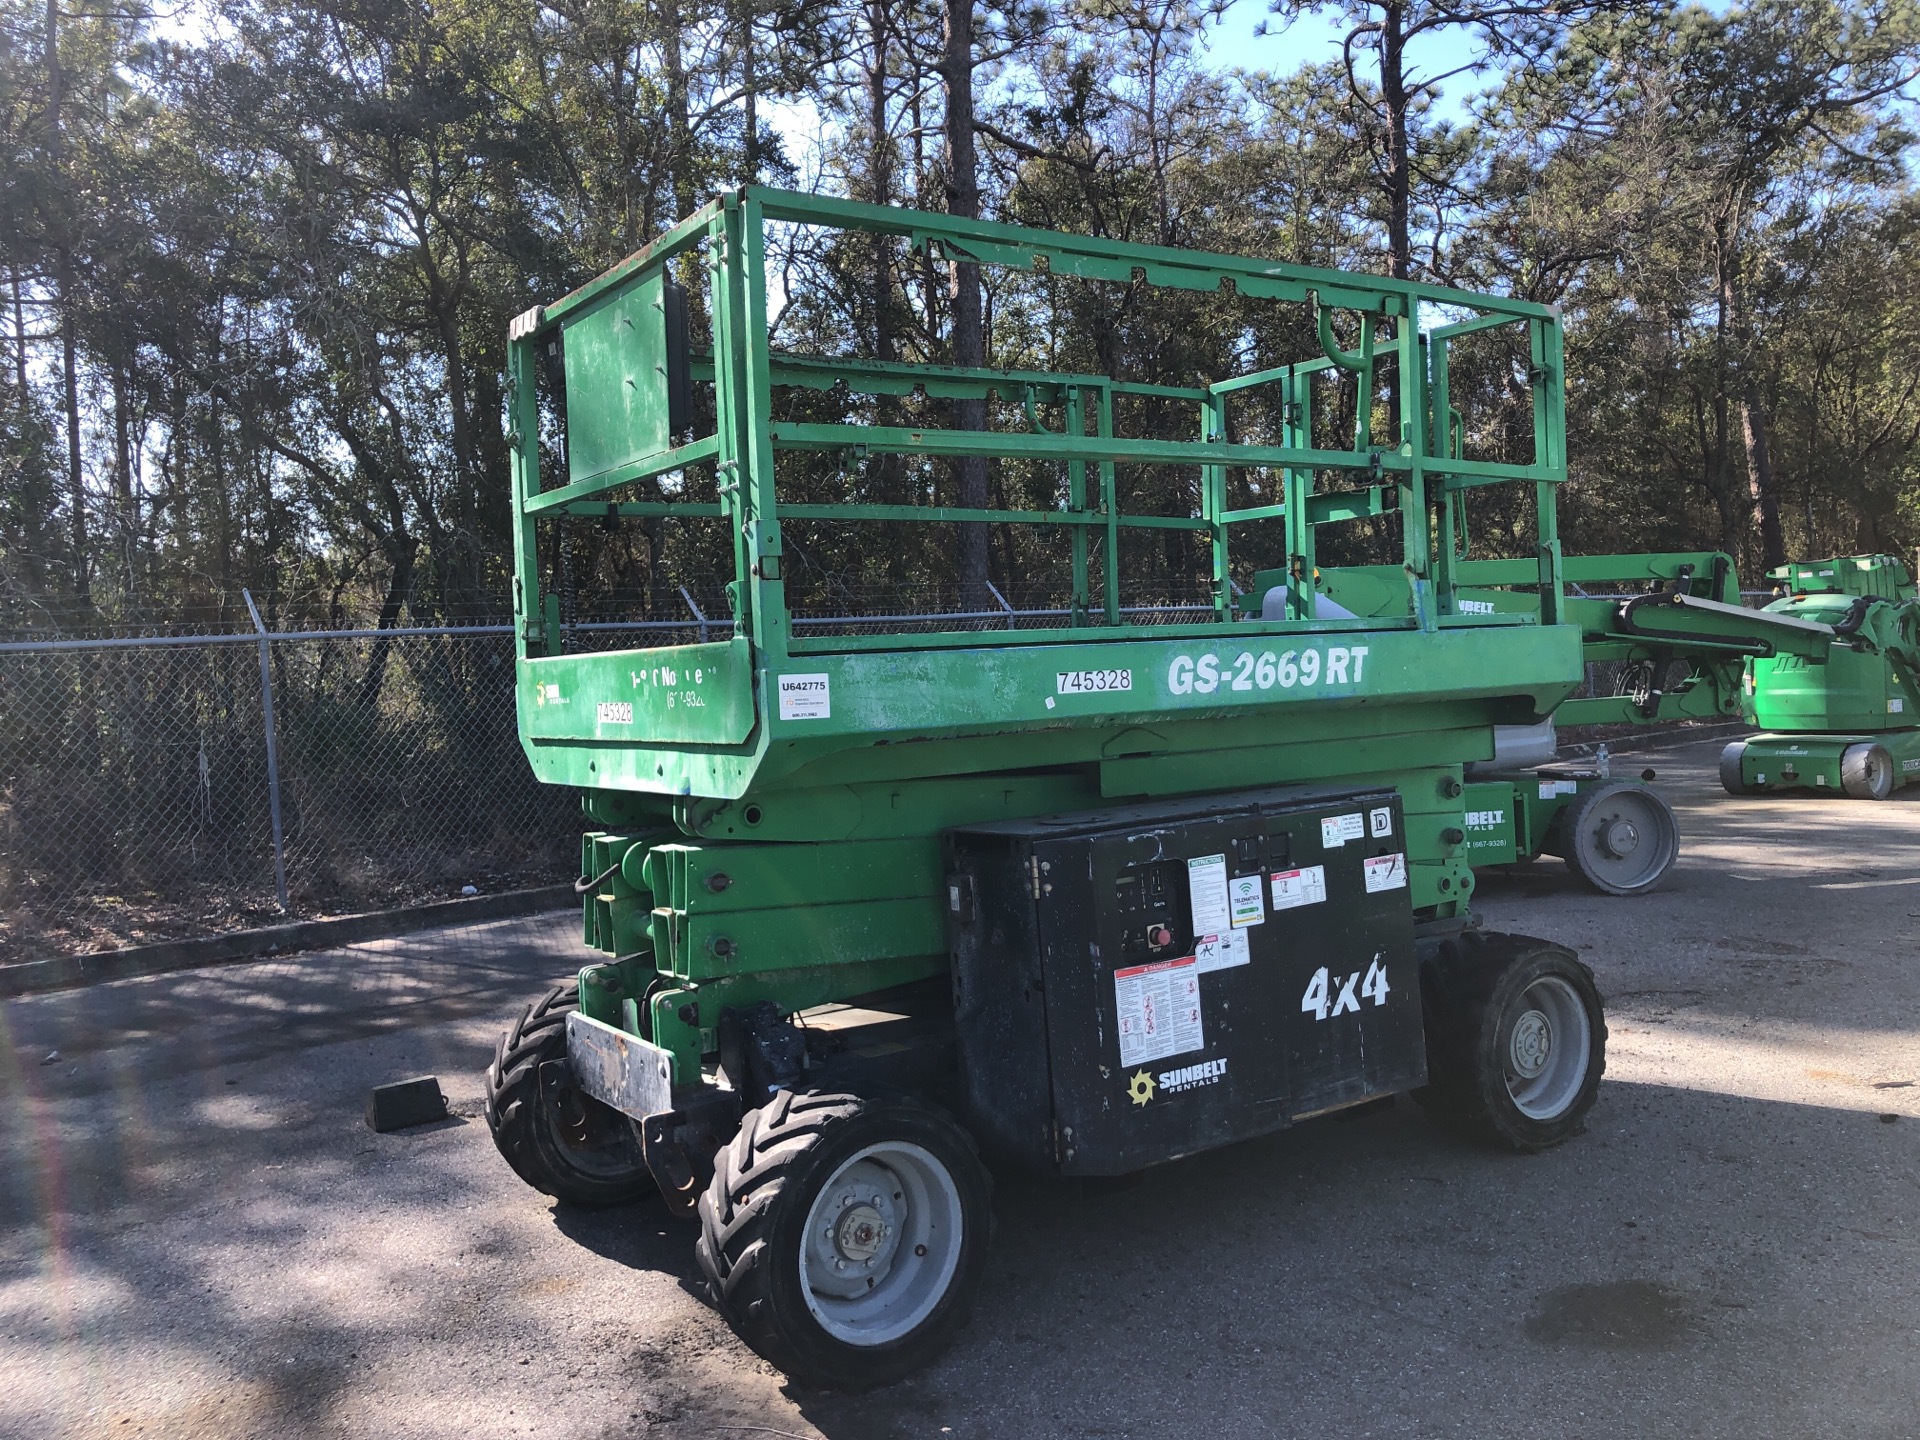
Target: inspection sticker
pixel 1245 901
pixel 1159 1008
pixel 1336 830
pixel 806 697
pixel 1207 888
pixel 1220 952
pixel 1386 872
pixel 1294 888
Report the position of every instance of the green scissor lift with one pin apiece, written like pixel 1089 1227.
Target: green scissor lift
pixel 1093 895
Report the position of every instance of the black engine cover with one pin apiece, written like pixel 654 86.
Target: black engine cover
pixel 1139 983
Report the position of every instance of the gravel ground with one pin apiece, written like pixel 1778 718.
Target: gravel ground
pixel 199 1236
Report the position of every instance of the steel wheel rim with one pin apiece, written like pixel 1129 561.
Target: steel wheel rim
pixel 1626 840
pixel 1879 770
pixel 882 1244
pixel 593 1138
pixel 1547 1049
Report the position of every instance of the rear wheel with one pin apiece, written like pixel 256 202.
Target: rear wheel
pixel 558 1138
pixel 1516 1040
pixel 1732 778
pixel 1620 838
pixel 844 1238
pixel 1866 772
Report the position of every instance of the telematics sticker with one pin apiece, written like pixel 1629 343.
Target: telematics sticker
pixel 1159 1008
pixel 1386 872
pixel 1245 901
pixel 805 697
pixel 1336 830
pixel 1294 888
pixel 1088 682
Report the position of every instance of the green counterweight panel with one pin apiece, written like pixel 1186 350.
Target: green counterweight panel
pixel 616 366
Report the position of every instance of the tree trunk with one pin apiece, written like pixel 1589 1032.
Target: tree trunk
pixel 1739 390
pixel 1760 483
pixel 35 502
pixel 402 552
pixel 63 300
pixel 969 339
pixel 127 512
pixel 880 178
pixel 749 96
pixel 20 347
pixel 889 471
pixel 1399 178
pixel 679 138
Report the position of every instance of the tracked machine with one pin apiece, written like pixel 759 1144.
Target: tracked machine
pixel 872 900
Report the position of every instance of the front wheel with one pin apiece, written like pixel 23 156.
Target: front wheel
pixel 1733 778
pixel 1866 772
pixel 558 1138
pixel 1516 1040
pixel 844 1238
pixel 1620 838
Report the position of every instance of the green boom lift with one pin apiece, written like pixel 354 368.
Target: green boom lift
pixel 1835 654
pixel 1847 718
pixel 1089 895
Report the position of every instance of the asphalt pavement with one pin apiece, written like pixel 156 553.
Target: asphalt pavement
pixel 200 1237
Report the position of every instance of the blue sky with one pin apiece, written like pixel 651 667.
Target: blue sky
pixel 1315 39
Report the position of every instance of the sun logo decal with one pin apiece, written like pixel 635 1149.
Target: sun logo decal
pixel 1142 1087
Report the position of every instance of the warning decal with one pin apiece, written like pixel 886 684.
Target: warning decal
pixel 1386 872
pixel 1159 1008
pixel 1220 952
pixel 1336 830
pixel 1294 888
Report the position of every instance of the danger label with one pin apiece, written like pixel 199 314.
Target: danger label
pixel 1294 888
pixel 1386 872
pixel 1159 1009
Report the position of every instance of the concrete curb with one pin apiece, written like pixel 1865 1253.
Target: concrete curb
pixel 71 972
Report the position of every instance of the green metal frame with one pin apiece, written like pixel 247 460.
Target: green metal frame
pixel 745 371
pixel 754 849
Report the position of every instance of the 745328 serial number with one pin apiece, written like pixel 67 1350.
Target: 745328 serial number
pixel 1091 682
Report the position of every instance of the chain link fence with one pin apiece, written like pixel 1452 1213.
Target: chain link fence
pixel 139 778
